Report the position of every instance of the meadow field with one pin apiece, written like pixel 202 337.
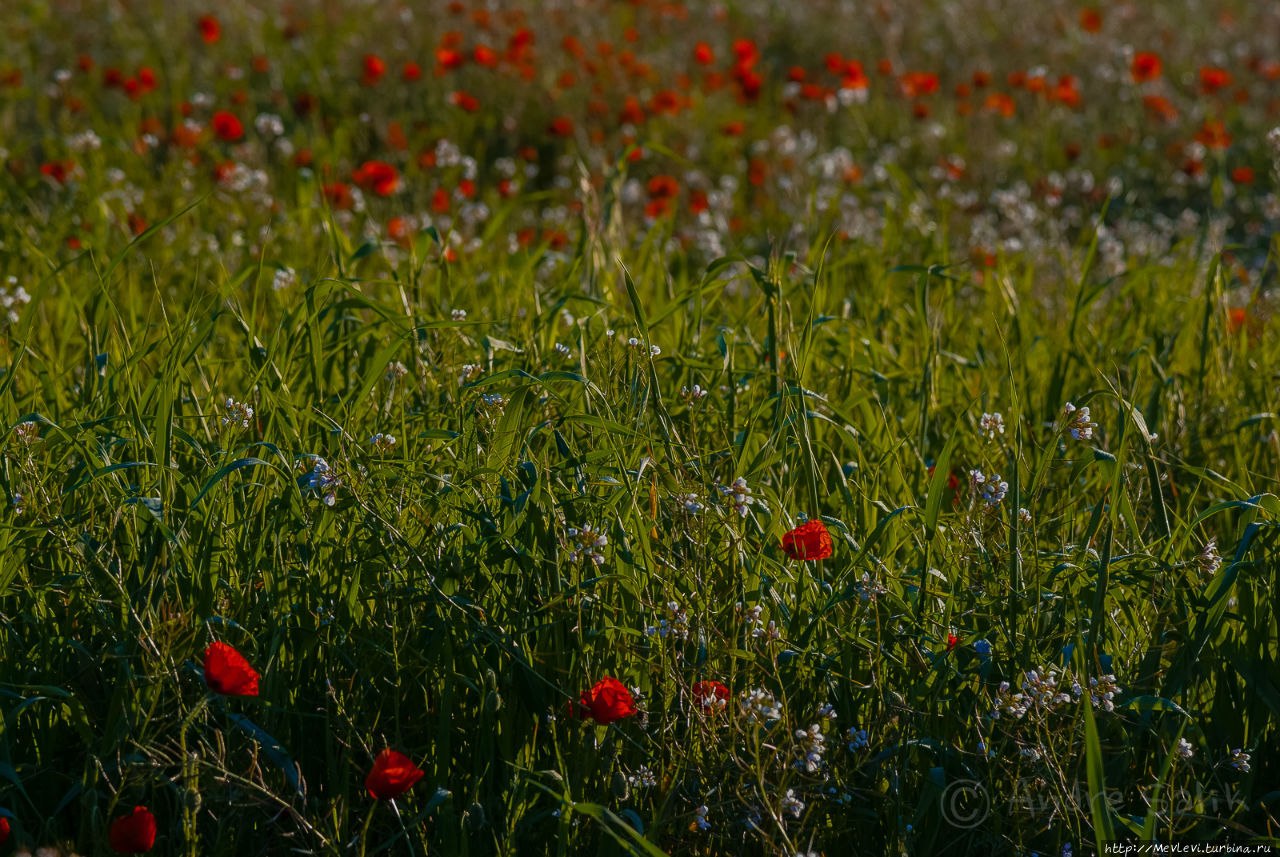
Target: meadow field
pixel 591 427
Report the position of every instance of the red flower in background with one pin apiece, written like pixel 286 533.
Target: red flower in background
pixel 210 29
pixel 338 195
pixel 952 642
pixel 1240 318
pixel 1146 67
pixel 227 126
pixel 411 72
pixel 399 230
pixel 134 833
pixel 374 68
pixel 710 695
pixel 378 176
pixel 1065 91
pixel 916 84
pixel 465 100
pixel 392 775
pixel 561 126
pixel 1213 78
pixel 1242 175
pixel 1213 134
pixel 227 672
pixel 1160 107
pixel 809 541
pixel 448 59
pixel 1090 20
pixel 698 201
pixel 59 171
pixel 4 830
pixel 1000 102
pixel 702 54
pixel 608 701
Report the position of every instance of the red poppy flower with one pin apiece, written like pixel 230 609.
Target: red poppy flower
pixel 1065 92
pixel 1242 175
pixel 396 138
pixel 1160 107
pixel 561 126
pixel 339 195
pixel 59 171
pixel 4 830
pixel 663 187
pixel 1213 134
pixel 1213 78
pixel 999 102
pixel 134 833
pixel 1090 20
pixel 392 775
pixel 399 231
pixel 1146 67
pixel 378 176
pixel 186 137
pixel 702 54
pixel 952 642
pixel 227 126
pixel 916 84
pixel 710 695
pixel 808 541
pixel 374 68
pixel 749 83
pixel 465 100
pixel 227 672
pixel 632 113
pixel 520 42
pixel 223 170
pixel 448 59
pixel 606 702
pixel 210 29
pixel 485 56
pixel 411 72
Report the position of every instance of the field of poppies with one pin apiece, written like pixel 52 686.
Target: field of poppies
pixel 593 427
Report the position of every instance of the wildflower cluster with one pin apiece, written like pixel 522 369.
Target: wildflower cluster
pixel 758 705
pixel 1078 423
pixel 991 425
pixel 320 481
pixel 237 413
pixel 1103 691
pixel 992 489
pixel 739 496
pixel 675 624
pixel 587 543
